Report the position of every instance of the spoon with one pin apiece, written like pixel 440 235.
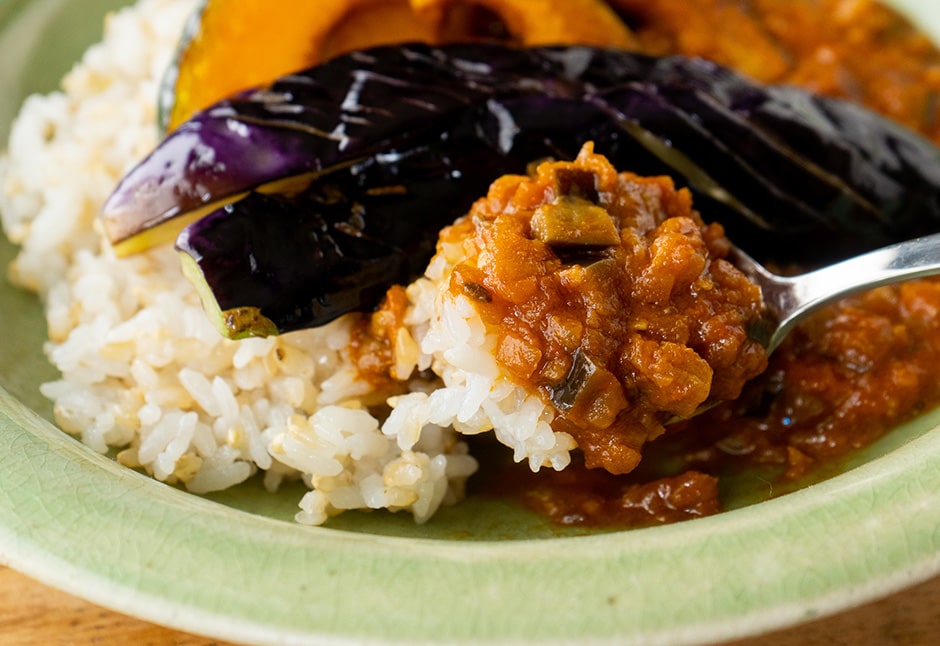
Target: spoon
pixel 790 299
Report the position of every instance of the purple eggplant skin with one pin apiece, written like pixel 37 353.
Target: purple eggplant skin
pixel 309 124
pixel 275 263
pixel 792 177
pixel 271 264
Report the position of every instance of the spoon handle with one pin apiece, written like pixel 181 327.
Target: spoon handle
pixel 790 299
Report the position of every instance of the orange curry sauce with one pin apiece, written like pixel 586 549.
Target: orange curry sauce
pixel 841 381
pixel 609 296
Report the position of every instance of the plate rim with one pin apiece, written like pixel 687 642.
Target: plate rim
pixel 905 522
pixel 34 443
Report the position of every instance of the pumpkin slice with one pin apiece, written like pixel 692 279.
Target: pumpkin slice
pixel 554 22
pixel 230 45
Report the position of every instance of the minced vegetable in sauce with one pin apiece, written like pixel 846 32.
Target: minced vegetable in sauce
pixel 603 305
pixel 841 381
pixel 855 370
pixel 609 296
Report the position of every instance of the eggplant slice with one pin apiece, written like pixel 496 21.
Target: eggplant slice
pixel 352 167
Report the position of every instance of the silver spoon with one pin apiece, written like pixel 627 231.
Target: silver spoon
pixel 790 299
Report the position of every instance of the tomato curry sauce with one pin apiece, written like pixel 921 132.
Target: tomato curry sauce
pixel 840 381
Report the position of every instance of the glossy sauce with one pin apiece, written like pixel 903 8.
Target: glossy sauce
pixel 609 296
pixel 858 368
pixel 841 381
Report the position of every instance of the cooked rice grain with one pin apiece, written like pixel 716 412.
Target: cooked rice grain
pixel 144 371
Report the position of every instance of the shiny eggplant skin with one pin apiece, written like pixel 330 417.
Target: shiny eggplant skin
pixel 271 263
pixel 785 162
pixel 793 177
pixel 311 124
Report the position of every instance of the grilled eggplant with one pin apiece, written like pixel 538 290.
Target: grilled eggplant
pixel 405 137
pixel 308 258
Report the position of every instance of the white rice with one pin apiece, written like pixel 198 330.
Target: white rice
pixel 143 371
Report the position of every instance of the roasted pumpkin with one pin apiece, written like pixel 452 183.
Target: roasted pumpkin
pixel 230 45
pixel 549 22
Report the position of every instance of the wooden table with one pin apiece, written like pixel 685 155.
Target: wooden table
pixel 31 613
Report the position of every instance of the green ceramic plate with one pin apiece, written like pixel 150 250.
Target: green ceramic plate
pixel 236 568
